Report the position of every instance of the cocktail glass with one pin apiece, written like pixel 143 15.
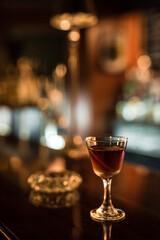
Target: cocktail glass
pixel 106 154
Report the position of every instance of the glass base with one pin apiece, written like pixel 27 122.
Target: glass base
pixel 95 215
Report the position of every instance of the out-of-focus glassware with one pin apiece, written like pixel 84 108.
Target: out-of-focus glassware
pixel 72 17
pixel 54 189
pixel 55 182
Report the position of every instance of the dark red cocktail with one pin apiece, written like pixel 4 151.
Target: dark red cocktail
pixel 106 161
pixel 106 154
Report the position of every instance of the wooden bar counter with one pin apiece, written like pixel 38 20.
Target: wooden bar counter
pixel 135 190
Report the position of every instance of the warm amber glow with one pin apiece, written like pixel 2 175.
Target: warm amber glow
pixel 27 89
pixel 65 25
pixel 58 165
pixel 143 75
pixel 55 96
pixel 144 62
pixel 15 163
pixel 24 66
pixel 67 21
pixel 143 71
pixel 74 36
pixel 61 70
pixel 77 140
pixel 63 122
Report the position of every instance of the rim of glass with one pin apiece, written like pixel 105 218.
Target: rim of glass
pixel 106 138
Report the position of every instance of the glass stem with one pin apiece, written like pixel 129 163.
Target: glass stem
pixel 107 202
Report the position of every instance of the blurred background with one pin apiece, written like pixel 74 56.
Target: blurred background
pixel 68 70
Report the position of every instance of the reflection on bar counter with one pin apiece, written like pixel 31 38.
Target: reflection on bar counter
pixel 58 200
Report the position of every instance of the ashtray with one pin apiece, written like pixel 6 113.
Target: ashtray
pixel 55 182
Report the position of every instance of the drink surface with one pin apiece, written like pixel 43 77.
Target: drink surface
pixel 106 160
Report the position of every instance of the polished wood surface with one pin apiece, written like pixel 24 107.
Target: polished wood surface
pixel 135 190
